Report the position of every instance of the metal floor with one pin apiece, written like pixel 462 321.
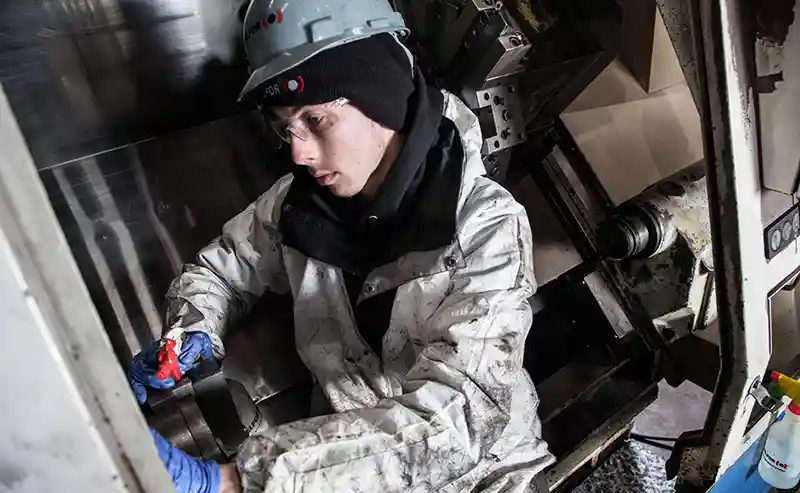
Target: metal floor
pixel 639 467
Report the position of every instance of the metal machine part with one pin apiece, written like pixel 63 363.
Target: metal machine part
pixel 500 114
pixel 91 76
pixel 663 240
pixel 651 222
pixel 205 414
pixel 766 399
pixel 66 423
pixel 475 50
pixel 127 110
pixel 637 231
pixel 446 42
pixel 475 46
pixel 466 43
pixel 739 150
pixel 493 49
pixel 781 234
pixel 589 391
pixel 778 92
pixel 261 384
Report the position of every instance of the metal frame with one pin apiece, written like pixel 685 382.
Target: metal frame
pixel 578 200
pixel 744 279
pixel 573 190
pixel 61 355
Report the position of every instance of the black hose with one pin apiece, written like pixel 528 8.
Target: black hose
pixel 637 436
pixel 652 443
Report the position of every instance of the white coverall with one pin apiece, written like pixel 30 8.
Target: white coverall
pixel 448 406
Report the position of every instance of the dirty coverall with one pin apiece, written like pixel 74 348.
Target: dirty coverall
pixel 444 404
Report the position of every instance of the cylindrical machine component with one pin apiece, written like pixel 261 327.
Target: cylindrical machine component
pixel 636 231
pixel 650 223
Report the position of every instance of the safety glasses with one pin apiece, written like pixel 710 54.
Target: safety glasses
pixel 314 121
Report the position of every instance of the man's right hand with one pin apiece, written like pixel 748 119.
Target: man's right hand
pixel 144 371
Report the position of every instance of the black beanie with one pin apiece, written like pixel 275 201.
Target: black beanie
pixel 374 74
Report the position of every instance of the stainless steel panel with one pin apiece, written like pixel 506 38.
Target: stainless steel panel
pixel 84 76
pixel 778 85
pixel 134 215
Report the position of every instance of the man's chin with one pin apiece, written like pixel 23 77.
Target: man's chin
pixel 342 191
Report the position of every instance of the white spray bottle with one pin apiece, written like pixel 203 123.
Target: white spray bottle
pixel 780 461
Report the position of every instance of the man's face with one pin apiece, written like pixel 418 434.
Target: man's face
pixel 340 146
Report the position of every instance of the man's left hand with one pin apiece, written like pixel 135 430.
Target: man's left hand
pixel 190 475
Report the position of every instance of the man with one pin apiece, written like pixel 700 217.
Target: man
pixel 409 272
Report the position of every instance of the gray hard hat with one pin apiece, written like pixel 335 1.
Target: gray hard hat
pixel 279 35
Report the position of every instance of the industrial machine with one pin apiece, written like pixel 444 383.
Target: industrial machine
pixel 113 175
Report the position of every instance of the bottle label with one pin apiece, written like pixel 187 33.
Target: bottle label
pixel 780 466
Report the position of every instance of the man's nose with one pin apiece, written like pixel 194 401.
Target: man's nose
pixel 304 152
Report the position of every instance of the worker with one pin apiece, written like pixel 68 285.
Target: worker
pixel 409 271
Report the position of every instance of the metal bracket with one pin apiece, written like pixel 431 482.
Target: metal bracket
pixel 675 324
pixel 501 117
pixel 765 399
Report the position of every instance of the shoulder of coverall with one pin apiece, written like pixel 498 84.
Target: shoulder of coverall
pixel 485 208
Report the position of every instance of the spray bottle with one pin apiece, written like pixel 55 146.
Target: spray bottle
pixel 780 461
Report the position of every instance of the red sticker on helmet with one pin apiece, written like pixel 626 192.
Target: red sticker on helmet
pixel 294 85
pixel 269 19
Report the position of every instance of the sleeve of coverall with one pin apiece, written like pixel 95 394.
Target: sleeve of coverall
pixel 456 398
pixel 230 274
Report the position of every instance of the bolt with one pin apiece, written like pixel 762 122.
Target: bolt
pixel 506 115
pixel 504 134
pixel 499 100
pixel 515 40
pixel 668 333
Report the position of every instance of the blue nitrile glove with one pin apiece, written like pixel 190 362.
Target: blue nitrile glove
pixel 196 347
pixel 189 475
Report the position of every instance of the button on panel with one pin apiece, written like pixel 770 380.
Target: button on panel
pixel 781 233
